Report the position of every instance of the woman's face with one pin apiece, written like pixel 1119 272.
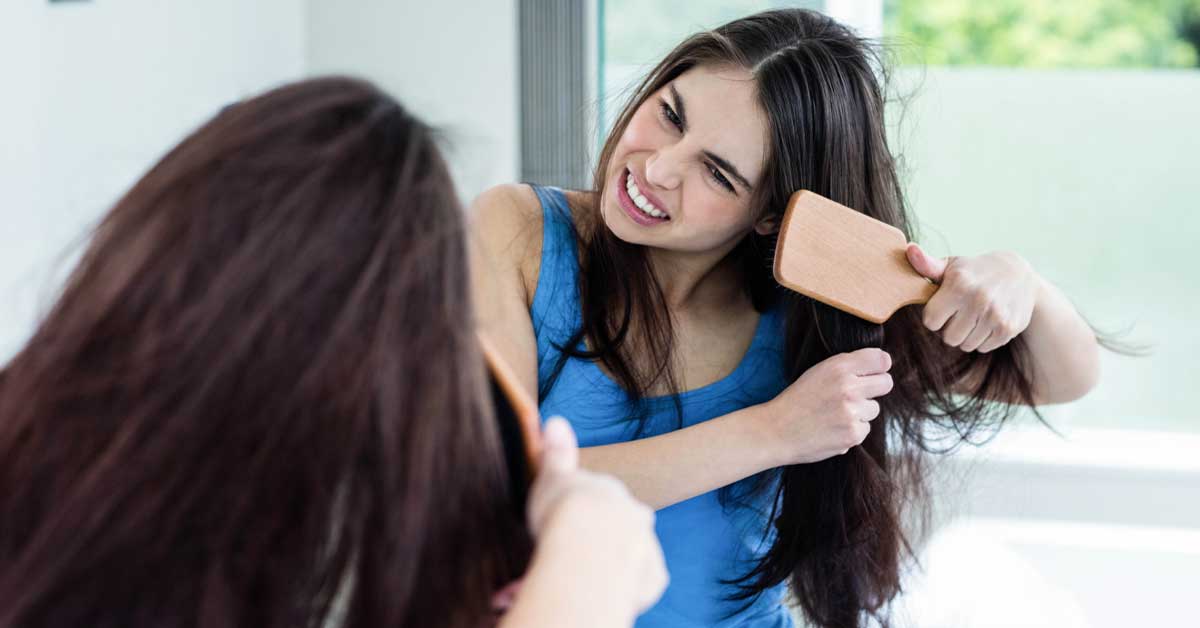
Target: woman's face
pixel 690 157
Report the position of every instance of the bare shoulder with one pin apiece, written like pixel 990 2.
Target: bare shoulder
pixel 506 220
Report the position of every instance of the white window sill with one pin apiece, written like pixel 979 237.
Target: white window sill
pixel 1104 477
pixel 1093 448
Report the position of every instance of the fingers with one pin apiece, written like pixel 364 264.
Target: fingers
pixel 560 449
pixel 929 266
pixel 960 326
pixel 869 361
pixel 861 427
pixel 938 310
pixel 993 342
pixel 878 385
pixel 569 502
pixel 560 460
pixel 979 301
pixel 978 336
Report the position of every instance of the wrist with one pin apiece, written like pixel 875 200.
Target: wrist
pixel 760 421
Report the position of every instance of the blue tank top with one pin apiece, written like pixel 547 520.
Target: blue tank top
pixel 705 542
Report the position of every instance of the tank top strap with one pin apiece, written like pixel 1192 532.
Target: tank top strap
pixel 555 311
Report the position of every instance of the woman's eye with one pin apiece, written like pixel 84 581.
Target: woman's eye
pixel 669 114
pixel 720 178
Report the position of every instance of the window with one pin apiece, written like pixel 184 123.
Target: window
pixel 1065 131
pixel 1064 34
pixel 1062 130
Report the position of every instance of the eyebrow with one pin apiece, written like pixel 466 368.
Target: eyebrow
pixel 721 162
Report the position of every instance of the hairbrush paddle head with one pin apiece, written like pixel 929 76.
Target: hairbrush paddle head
pixel 846 259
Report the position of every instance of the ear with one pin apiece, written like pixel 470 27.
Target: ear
pixel 768 224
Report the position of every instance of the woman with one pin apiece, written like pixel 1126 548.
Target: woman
pixel 259 402
pixel 777 436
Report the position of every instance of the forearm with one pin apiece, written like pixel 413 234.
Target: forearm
pixel 1063 349
pixel 667 469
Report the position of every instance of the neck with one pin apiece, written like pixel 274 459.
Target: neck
pixel 692 281
pixel 696 281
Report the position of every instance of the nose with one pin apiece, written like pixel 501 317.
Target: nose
pixel 664 168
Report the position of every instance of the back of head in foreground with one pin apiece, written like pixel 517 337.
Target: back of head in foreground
pixel 258 400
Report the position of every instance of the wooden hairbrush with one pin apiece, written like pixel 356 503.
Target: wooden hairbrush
pixel 846 259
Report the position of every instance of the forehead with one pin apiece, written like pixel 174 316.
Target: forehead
pixel 724 116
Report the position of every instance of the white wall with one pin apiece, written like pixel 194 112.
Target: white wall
pixel 452 63
pixel 95 93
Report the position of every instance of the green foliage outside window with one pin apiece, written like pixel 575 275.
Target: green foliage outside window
pixel 1046 33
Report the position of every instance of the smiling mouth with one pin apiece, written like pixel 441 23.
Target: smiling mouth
pixel 639 201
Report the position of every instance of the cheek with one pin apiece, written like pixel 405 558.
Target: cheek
pixel 642 133
pixel 716 214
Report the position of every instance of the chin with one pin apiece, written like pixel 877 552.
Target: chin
pixel 616 223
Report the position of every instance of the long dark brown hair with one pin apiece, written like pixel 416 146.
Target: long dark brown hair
pixel 258 400
pixel 840 538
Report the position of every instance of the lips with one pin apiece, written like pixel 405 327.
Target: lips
pixel 631 208
pixel 644 190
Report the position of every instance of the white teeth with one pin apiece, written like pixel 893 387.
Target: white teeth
pixel 641 201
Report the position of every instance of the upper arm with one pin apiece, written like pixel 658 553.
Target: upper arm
pixel 505 240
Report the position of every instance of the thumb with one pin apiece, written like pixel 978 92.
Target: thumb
pixel 560 450
pixel 929 266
